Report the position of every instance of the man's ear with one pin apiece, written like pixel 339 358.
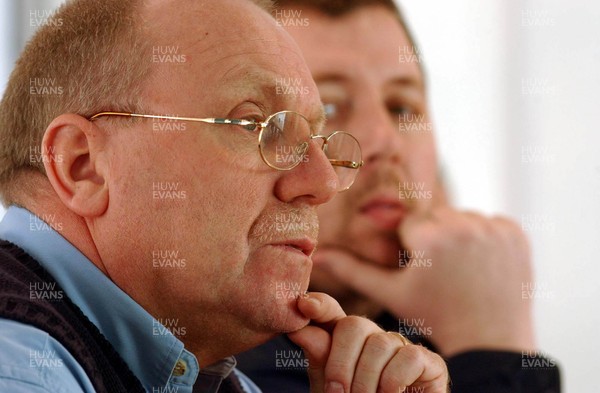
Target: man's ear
pixel 75 164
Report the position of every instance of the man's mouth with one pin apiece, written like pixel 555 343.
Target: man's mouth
pixel 305 246
pixel 384 211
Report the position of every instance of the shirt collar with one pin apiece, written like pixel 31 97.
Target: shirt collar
pixel 154 355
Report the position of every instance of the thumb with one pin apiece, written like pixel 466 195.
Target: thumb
pixel 382 285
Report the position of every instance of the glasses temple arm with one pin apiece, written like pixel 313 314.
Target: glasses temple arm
pixel 346 163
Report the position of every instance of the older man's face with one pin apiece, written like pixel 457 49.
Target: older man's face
pixel 374 93
pixel 203 194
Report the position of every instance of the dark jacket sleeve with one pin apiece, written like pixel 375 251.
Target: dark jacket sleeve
pixel 503 372
pixel 490 371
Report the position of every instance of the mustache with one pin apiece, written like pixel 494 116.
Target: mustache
pixel 382 179
pixel 285 222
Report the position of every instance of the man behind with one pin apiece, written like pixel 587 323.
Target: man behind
pixel 459 287
pixel 100 190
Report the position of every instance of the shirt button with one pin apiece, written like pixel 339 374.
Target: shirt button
pixel 180 368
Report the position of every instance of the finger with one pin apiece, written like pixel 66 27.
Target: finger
pixel 323 310
pixel 416 226
pixel 440 194
pixel 424 231
pixel 316 344
pixel 415 366
pixel 511 231
pixel 379 349
pixel 382 285
pixel 349 339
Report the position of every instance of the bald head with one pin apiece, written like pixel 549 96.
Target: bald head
pixel 98 57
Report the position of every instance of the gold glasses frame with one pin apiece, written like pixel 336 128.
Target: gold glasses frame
pixel 252 126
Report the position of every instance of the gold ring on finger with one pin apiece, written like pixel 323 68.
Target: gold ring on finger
pixel 404 340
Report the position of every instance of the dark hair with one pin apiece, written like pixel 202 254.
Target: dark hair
pixel 338 8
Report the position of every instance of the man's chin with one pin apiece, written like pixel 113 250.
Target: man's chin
pixel 296 320
pixel 290 324
pixel 296 325
pixel 288 319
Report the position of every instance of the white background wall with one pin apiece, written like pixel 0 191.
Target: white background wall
pixel 515 94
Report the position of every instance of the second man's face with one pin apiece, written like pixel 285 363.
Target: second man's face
pixel 370 81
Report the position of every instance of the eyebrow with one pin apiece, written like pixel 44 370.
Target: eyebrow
pixel 251 82
pixel 408 82
pixel 318 123
pixel 257 80
pixel 403 81
pixel 330 77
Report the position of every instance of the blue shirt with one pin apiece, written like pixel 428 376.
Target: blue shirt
pixel 31 361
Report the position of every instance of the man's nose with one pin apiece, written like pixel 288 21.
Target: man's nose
pixel 378 133
pixel 313 180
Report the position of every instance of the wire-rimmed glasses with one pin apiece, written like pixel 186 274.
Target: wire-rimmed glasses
pixel 283 141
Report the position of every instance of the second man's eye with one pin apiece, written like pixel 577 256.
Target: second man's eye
pixel 331 110
pixel 400 110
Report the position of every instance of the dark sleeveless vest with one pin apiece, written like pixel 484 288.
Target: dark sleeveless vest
pixel 20 275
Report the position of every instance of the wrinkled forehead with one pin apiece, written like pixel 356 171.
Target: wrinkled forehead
pixel 212 29
pixel 232 48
